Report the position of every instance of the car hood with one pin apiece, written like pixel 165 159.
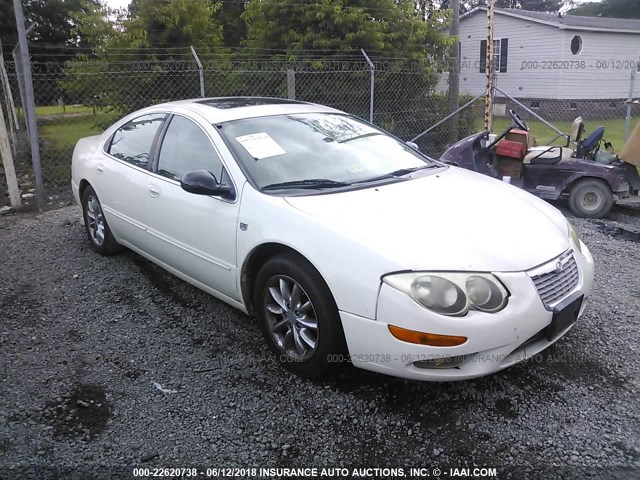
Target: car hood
pixel 449 219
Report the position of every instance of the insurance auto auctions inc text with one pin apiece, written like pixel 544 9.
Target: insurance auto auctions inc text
pixel 376 472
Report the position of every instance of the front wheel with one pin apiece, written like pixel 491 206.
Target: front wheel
pixel 591 198
pixel 298 316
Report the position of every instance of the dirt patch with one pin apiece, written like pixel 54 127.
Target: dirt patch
pixel 85 412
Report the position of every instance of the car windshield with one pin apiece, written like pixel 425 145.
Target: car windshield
pixel 317 151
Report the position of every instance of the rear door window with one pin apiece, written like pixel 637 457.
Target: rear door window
pixel 133 141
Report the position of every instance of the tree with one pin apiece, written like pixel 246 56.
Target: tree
pixel 51 39
pixel 609 8
pixel 155 35
pixel 164 23
pixel 291 27
pixel 234 28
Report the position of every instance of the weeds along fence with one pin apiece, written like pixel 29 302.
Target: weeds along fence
pixel 79 99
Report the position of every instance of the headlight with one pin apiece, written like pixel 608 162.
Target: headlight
pixel 452 293
pixel 573 235
pixel 438 294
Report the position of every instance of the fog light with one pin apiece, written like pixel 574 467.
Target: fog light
pixel 423 338
pixel 443 362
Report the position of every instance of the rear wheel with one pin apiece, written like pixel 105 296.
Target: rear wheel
pixel 591 198
pixel 96 224
pixel 298 316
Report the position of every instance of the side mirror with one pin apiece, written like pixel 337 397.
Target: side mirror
pixel 413 145
pixel 202 182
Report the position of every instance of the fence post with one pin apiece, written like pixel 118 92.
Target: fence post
pixel 7 162
pixel 291 84
pixel 372 88
pixel 627 120
pixel 30 105
pixel 200 71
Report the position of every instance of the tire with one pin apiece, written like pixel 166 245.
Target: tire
pixel 591 198
pixel 96 225
pixel 290 298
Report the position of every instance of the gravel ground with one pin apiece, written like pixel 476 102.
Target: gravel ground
pixel 111 363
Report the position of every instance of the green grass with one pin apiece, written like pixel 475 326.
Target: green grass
pixel 59 136
pixel 614 130
pixel 64 134
pixel 58 110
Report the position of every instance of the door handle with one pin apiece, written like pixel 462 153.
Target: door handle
pixel 100 168
pixel 154 190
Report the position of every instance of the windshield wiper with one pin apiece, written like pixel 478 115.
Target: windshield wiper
pixel 364 135
pixel 399 173
pixel 311 183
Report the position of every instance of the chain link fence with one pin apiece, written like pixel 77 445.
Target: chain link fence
pixel 79 99
pixel 82 98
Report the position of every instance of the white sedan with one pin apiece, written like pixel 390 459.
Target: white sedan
pixel 344 242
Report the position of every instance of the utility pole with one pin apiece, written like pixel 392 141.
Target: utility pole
pixel 454 71
pixel 30 106
pixel 488 99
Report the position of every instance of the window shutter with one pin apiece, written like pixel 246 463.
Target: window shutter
pixel 483 56
pixel 504 50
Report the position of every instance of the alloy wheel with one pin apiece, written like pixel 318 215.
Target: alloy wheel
pixel 95 219
pixel 291 318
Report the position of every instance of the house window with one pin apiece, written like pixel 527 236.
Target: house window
pixel 576 44
pixel 500 55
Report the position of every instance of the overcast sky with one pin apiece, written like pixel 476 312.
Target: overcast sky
pixel 118 3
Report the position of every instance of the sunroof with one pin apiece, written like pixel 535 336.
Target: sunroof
pixel 236 102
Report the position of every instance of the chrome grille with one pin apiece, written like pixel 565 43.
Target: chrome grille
pixel 557 279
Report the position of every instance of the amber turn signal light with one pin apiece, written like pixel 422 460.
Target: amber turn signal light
pixel 423 338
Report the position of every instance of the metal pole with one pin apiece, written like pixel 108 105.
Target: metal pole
pixel 200 70
pixel 372 88
pixel 488 101
pixel 534 114
pixel 30 105
pixel 447 117
pixel 454 72
pixel 291 84
pixel 627 120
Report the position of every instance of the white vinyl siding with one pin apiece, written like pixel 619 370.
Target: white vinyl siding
pixel 538 57
pixel 609 59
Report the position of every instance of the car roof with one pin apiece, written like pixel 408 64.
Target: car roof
pixel 224 109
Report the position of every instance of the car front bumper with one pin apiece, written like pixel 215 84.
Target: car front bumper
pixel 494 341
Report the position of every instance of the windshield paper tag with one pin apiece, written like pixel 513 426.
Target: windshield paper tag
pixel 260 145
